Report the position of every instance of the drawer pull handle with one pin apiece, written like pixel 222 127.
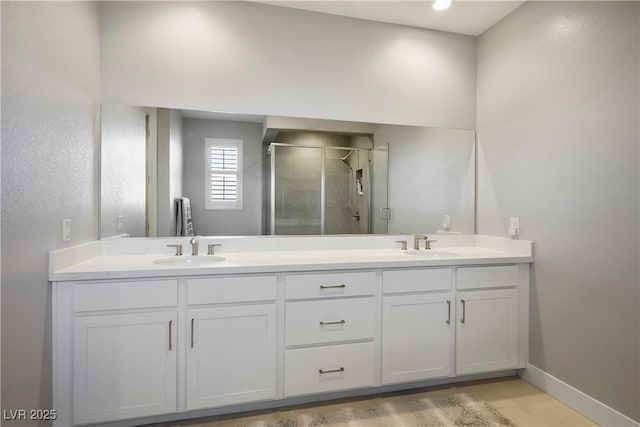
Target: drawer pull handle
pixel 332 286
pixel 464 311
pixel 335 322
pixel 449 312
pixel 329 371
pixel 170 328
pixel 192 333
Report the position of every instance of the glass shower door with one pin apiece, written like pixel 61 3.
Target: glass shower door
pixel 297 190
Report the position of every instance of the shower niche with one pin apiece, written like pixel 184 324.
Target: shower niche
pixel 319 183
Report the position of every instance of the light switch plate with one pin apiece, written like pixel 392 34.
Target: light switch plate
pixel 514 226
pixel 66 230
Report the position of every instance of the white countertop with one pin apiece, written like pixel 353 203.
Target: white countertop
pixel 127 266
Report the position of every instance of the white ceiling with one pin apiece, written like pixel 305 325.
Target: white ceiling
pixel 464 17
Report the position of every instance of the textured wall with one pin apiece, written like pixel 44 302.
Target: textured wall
pixel 253 58
pixel 245 222
pixel 558 146
pixel 50 92
pixel 122 170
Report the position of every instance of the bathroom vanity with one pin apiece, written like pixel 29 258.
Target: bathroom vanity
pixel 142 336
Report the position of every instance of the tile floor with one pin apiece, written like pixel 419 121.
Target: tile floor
pixel 521 402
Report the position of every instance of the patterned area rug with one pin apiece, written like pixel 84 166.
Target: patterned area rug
pixel 454 410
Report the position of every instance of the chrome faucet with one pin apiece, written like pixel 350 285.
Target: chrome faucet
pixel 416 241
pixel 194 246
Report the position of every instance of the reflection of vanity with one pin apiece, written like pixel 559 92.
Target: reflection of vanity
pixel 279 321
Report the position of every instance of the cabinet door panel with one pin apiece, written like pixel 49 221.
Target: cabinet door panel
pixel 488 338
pixel 124 366
pixel 232 357
pixel 416 338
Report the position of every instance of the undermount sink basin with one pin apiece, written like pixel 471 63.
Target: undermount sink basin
pixel 187 260
pixel 430 253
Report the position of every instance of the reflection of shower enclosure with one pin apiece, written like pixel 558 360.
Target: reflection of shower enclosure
pixel 318 190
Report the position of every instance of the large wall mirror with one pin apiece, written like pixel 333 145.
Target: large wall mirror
pixel 167 172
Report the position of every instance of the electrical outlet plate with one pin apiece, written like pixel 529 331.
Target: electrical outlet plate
pixel 119 219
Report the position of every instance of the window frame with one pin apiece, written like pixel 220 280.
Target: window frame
pixel 209 170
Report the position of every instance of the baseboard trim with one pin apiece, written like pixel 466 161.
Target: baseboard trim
pixel 576 399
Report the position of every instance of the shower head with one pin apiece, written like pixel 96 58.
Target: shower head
pixel 344 159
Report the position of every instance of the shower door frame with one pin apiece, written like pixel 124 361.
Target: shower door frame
pixel 323 148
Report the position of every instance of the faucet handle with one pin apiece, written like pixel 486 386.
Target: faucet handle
pixel 178 249
pixel 403 243
pixel 428 242
pixel 211 248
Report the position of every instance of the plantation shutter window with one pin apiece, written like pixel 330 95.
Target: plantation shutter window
pixel 223 159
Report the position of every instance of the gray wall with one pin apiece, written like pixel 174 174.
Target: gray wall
pixel 558 146
pixel 50 95
pixel 243 222
pixel 122 170
pixel 250 58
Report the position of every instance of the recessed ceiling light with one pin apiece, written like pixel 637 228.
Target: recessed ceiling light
pixel 441 4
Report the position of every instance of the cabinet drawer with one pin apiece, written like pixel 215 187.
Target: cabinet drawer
pixel 308 370
pixel 216 290
pixel 330 285
pixel 125 295
pixel 434 279
pixel 487 277
pixel 312 322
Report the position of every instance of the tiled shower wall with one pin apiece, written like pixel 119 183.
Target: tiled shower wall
pixel 298 174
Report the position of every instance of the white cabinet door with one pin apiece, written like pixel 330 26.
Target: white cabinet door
pixel 487 331
pixel 231 355
pixel 124 366
pixel 417 337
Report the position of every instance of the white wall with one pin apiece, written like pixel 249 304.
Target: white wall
pixel 169 168
pixel 558 146
pixel 175 164
pixel 50 96
pixel 243 222
pixel 122 170
pixel 252 58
